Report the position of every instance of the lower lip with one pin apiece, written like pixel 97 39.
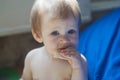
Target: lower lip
pixel 62 50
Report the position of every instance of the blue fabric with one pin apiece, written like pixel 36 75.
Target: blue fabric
pixel 100 43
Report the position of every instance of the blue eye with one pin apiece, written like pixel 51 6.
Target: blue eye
pixel 55 33
pixel 72 31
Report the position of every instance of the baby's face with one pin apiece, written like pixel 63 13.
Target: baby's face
pixel 59 34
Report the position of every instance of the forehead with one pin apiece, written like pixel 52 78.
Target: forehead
pixel 51 22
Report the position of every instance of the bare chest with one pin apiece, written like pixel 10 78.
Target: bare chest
pixel 48 70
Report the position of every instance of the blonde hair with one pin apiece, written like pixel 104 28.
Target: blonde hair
pixel 56 8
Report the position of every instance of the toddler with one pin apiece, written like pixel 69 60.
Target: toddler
pixel 55 23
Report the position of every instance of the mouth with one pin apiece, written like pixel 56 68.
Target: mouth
pixel 64 48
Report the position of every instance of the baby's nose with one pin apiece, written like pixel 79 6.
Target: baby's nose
pixel 63 39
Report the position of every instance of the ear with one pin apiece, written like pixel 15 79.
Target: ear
pixel 37 37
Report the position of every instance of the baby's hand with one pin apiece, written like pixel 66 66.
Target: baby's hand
pixel 76 60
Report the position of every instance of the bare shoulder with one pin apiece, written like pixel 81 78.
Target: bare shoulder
pixel 33 53
pixel 27 72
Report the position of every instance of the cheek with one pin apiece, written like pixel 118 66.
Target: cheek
pixel 74 40
pixel 50 42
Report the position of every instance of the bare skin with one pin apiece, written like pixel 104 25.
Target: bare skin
pixel 58 59
pixel 76 61
pixel 43 67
